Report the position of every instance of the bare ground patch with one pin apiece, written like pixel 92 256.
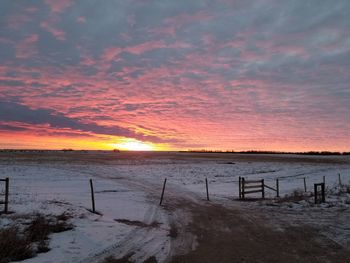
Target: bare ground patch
pixel 227 235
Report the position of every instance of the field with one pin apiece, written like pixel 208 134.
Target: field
pixel 131 226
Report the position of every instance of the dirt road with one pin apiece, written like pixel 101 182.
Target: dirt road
pixel 227 235
pixel 222 233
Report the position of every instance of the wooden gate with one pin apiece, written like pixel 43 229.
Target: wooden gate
pixel 322 198
pixel 5 202
pixel 250 187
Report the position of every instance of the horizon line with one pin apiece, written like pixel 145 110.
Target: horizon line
pixel 181 151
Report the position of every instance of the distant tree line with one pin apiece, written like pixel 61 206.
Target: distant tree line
pixel 270 152
pixel 191 151
pixel 37 150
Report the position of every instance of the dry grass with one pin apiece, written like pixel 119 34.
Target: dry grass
pixel 124 259
pixel 345 189
pixel 40 227
pixel 19 243
pixel 173 233
pixel 14 246
pixel 151 260
pixel 296 196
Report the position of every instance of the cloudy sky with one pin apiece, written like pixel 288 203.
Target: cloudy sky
pixel 175 74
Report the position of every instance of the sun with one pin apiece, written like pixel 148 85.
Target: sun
pixel 135 146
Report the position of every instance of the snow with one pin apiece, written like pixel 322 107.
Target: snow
pixel 53 190
pixel 128 188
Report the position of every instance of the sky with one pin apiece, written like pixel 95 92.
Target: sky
pixel 175 74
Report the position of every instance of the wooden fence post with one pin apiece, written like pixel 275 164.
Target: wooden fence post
pixel 206 183
pixel 92 196
pixel 304 184
pixel 277 188
pixel 240 187
pixel 161 197
pixel 7 185
pixel 263 189
pixel 339 179
pixel 323 193
pixel 315 192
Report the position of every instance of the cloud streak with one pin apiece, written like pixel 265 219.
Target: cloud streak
pixel 14 112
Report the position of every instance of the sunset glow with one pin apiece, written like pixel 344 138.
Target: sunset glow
pixel 221 75
pixel 135 146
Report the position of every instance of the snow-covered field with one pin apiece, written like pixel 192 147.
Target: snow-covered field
pixel 128 187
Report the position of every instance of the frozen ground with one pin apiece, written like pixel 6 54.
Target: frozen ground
pixel 127 190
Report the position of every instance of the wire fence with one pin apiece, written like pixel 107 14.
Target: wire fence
pixel 36 189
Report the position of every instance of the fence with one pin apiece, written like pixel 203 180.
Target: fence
pixel 258 186
pixel 277 189
pixel 246 187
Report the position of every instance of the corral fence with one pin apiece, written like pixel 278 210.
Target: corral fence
pixel 5 201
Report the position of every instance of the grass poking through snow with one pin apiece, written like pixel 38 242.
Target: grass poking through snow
pixel 14 246
pixel 18 242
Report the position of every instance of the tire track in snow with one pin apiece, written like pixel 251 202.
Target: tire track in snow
pixel 140 241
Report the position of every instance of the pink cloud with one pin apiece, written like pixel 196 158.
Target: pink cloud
pixel 57 33
pixel 186 19
pixel 172 24
pixel 31 9
pixel 288 49
pixel 81 19
pixel 18 20
pixel 110 53
pixel 58 6
pixel 164 30
pixel 27 48
pixel 5 40
pixel 144 47
pixel 125 36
